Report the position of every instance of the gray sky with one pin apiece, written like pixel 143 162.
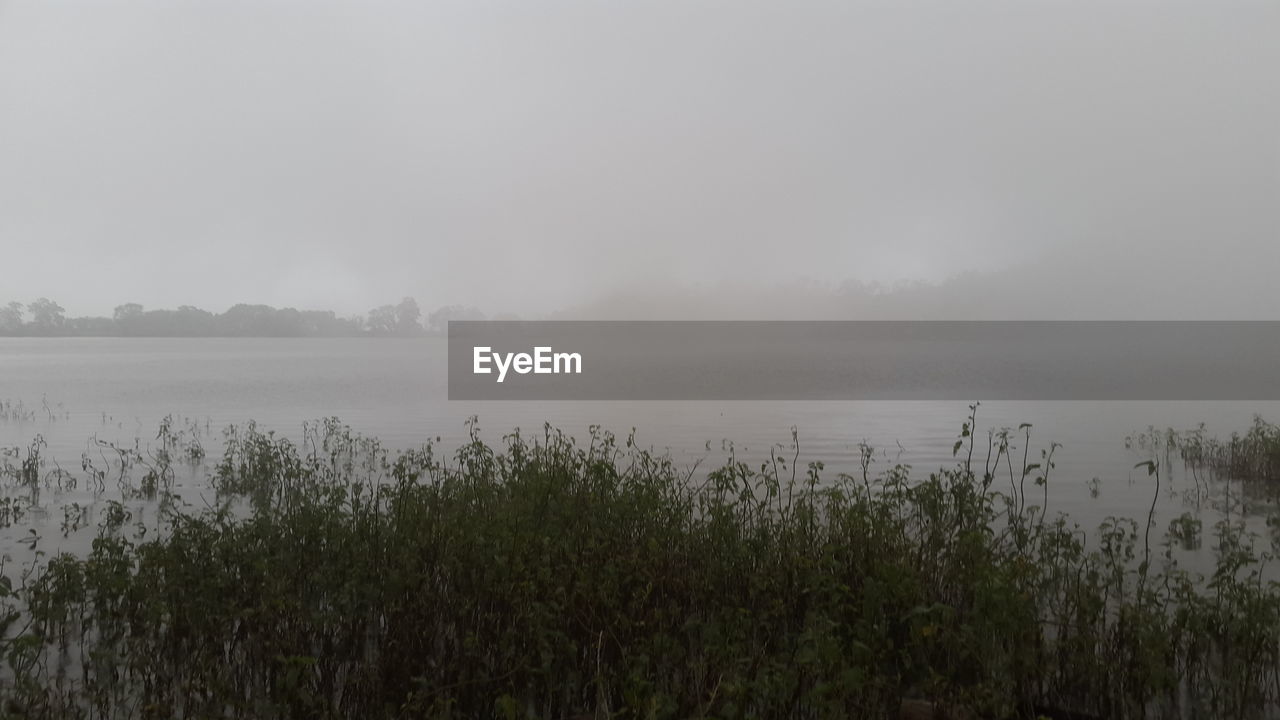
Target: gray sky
pixel 1100 158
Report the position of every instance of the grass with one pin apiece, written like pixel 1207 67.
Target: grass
pixel 541 577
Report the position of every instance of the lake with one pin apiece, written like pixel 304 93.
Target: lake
pixel 118 390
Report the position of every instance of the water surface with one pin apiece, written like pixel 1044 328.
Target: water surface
pixel 118 390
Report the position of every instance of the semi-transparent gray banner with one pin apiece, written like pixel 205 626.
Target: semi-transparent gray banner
pixel 696 360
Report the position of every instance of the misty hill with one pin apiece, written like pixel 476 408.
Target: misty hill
pixel 1061 287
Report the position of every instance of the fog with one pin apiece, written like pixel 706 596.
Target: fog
pixel 666 159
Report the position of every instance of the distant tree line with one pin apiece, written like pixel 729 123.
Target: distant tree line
pixel 44 317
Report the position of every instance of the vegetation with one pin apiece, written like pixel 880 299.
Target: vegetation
pixel 48 318
pixel 544 578
pixel 1246 465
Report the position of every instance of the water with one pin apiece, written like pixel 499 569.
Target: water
pixel 118 390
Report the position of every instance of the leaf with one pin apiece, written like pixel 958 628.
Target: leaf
pixel 1150 465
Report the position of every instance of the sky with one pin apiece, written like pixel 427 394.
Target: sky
pixel 1038 158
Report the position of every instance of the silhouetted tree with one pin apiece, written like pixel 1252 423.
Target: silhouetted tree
pixel 126 311
pixel 191 320
pixel 11 317
pixel 382 320
pixel 407 316
pixel 46 314
pixel 247 321
pixel 287 322
pixel 128 319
